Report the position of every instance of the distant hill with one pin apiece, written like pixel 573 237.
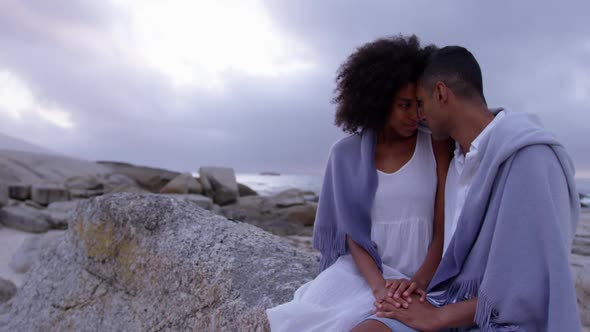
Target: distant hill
pixel 11 143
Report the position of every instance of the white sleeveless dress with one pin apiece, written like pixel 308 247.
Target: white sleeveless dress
pixel 402 214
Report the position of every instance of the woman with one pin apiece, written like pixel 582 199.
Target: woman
pixel 379 225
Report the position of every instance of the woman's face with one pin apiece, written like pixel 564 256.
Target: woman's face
pixel 403 118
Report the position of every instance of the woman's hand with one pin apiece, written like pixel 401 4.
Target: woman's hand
pixel 403 289
pixel 382 296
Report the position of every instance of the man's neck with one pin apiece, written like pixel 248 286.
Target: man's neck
pixel 470 121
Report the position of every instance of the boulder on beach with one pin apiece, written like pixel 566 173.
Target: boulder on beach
pixel 220 184
pixel 46 194
pixel 304 214
pixel 4 195
pixel 287 213
pixel 24 218
pixel 133 262
pixel 244 190
pixel 18 191
pixel 583 293
pixel 289 197
pixel 185 183
pixel 150 178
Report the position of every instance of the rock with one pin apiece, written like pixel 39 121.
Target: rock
pixel 152 179
pixel 7 290
pixel 45 194
pixel 303 243
pixel 26 167
pixel 34 204
pixel 220 184
pixel 149 263
pixel 310 196
pixel 199 200
pixel 304 214
pixel 4 195
pixel 20 192
pixel 59 214
pixel 216 209
pixel 290 197
pixel 29 251
pixel 583 293
pixel 581 246
pixel 115 180
pixel 250 208
pixel 85 193
pixel 125 188
pixel 24 218
pixel 244 190
pixel 90 182
pixel 262 212
pixel 183 184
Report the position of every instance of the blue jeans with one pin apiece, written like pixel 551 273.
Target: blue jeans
pixel 397 326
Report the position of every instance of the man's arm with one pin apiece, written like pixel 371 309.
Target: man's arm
pixel 426 317
pixel 460 314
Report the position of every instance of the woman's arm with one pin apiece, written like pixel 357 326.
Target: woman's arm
pixel 443 152
pixel 366 266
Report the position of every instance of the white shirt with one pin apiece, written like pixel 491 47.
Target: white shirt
pixel 462 169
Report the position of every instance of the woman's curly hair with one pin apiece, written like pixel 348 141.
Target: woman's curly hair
pixel 369 79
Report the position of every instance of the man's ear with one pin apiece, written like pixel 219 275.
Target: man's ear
pixel 441 92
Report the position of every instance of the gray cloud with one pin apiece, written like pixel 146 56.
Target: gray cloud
pixel 532 56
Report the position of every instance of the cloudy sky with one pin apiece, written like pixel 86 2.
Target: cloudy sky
pixel 248 83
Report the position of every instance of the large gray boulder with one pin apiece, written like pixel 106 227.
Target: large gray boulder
pixel 220 184
pixel 133 262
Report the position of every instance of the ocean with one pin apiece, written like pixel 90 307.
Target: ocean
pixel 272 184
pixel 267 185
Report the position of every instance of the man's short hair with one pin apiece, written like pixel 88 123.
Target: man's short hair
pixel 457 68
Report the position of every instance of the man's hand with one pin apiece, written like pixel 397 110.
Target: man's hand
pixel 404 288
pixel 421 316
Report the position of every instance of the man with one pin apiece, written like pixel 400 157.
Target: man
pixel 511 213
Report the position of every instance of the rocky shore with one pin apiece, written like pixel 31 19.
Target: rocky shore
pixel 114 246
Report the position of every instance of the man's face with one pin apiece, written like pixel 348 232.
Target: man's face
pixel 429 108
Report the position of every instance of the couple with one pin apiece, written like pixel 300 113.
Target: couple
pixel 420 234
